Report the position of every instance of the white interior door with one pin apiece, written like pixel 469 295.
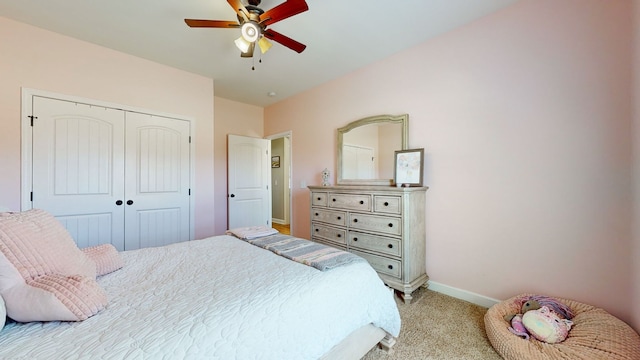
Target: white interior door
pixel 248 180
pixel 156 181
pixel 78 167
pixel 358 162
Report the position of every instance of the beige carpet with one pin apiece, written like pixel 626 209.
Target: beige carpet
pixel 437 326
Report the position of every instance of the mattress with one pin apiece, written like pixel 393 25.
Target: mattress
pixel 216 298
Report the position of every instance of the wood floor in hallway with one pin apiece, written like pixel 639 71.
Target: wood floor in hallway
pixel 283 229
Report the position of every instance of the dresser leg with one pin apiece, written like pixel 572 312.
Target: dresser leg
pixel 407 298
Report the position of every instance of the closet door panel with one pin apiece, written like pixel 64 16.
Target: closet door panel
pixel 78 168
pixel 157 180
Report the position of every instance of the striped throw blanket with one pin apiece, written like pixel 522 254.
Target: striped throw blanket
pixel 319 256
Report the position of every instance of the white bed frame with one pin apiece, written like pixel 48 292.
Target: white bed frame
pixel 360 342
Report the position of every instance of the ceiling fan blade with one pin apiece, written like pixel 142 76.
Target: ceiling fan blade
pixel 237 6
pixel 284 40
pixel 283 11
pixel 211 23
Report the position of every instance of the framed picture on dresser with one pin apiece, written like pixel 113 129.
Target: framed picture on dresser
pixel 408 167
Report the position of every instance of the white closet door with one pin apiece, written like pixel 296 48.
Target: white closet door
pixel 78 167
pixel 156 180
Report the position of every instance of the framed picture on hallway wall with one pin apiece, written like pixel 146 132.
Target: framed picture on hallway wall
pixel 408 165
pixel 275 161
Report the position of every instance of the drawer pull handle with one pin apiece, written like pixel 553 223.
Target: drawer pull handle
pixel 390 246
pixel 339 235
pixel 361 202
pixel 319 198
pixel 390 267
pixel 317 214
pixel 386 203
pixel 355 220
pixel 355 239
pixel 317 230
pixel 334 200
pixel 390 225
pixel 339 217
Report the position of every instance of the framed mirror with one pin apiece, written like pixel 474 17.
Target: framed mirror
pixel 366 149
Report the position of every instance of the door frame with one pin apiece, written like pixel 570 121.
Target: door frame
pixel 289 166
pixel 26 154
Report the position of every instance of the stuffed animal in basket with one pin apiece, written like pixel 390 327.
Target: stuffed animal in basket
pixel 544 318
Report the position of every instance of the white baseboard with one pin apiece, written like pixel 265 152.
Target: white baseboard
pixel 278 221
pixel 465 295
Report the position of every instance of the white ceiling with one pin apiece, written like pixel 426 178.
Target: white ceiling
pixel 341 36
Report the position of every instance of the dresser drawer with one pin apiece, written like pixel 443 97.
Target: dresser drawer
pixel 382 264
pixel 350 201
pixel 318 198
pixel 387 204
pixel 381 244
pixel 329 216
pixel 328 233
pixel 382 224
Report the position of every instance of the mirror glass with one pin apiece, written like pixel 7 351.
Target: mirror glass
pixel 366 148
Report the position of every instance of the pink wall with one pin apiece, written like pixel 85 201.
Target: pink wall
pixel 39 59
pixel 231 118
pixel 525 117
pixel 636 157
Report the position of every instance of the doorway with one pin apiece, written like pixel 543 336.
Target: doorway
pixel 281 182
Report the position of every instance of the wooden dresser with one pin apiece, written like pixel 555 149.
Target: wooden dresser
pixel 384 225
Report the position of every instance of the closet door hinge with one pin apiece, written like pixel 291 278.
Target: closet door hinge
pixel 31 197
pixel 189 192
pixel 32 117
pixel 189 139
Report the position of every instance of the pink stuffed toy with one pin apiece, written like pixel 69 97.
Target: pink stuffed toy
pixel 545 325
pixel 554 309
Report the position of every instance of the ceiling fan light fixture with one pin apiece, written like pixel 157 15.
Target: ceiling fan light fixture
pixel 264 44
pixel 242 44
pixel 250 31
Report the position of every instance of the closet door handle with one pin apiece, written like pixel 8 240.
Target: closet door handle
pixel 129 202
pixel 119 202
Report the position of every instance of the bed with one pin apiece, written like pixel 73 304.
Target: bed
pixel 219 298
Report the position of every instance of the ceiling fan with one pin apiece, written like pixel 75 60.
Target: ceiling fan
pixel 253 22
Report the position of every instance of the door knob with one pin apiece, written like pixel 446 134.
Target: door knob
pixel 119 202
pixel 129 202
pixel 233 195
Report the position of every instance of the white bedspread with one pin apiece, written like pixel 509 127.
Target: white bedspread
pixel 164 305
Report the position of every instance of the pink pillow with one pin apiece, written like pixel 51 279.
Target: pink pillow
pixel 106 257
pixel 43 274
